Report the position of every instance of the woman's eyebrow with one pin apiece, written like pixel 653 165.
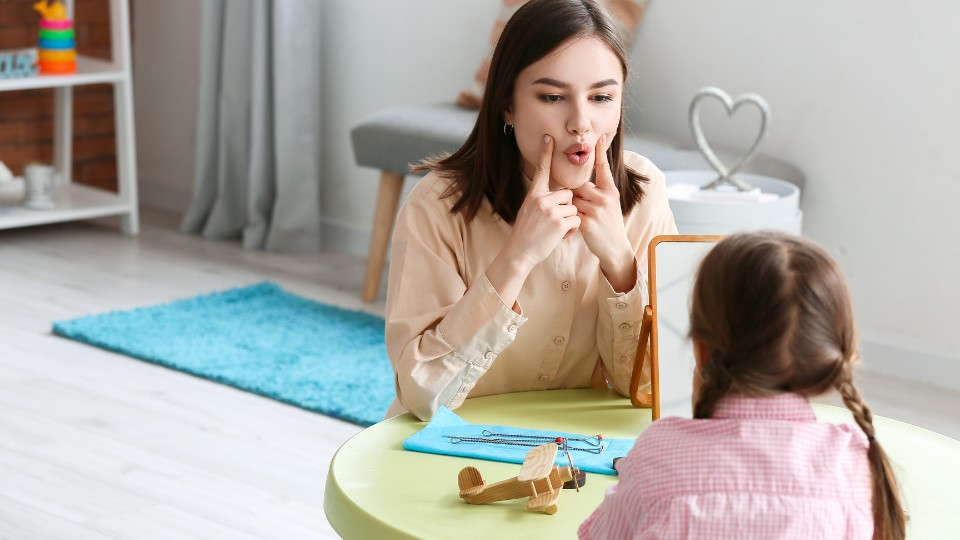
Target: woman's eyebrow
pixel 560 84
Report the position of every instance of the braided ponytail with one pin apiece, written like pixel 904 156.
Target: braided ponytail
pixel 888 517
pixel 715 382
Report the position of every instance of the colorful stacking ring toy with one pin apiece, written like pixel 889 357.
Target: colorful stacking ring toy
pixel 57 54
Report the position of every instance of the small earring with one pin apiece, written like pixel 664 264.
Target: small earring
pixel 507 128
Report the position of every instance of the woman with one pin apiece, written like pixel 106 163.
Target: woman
pixel 511 270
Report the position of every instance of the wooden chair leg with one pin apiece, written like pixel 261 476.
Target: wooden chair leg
pixel 391 184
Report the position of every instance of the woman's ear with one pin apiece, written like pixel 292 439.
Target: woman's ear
pixel 508 116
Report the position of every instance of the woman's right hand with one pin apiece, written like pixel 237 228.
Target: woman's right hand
pixel 545 218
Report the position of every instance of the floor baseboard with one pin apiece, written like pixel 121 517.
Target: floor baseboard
pixel 910 364
pixel 336 236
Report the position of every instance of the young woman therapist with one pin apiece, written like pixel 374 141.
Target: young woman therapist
pixel 518 262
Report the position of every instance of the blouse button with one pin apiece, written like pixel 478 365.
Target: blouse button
pixel 623 359
pixel 512 328
pixel 624 327
pixel 544 378
pixel 558 340
pixel 565 285
pixel 489 356
pixel 621 305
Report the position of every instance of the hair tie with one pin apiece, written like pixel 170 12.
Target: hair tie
pixel 871 438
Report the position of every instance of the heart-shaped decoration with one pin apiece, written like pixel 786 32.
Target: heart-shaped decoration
pixel 726 175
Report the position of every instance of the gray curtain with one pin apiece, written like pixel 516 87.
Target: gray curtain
pixel 257 168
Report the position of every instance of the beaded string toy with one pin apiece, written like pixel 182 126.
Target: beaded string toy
pixel 594 443
pixel 595 440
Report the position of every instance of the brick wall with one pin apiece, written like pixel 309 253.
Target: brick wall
pixel 26 116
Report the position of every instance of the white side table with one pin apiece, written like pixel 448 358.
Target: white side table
pixel 778 207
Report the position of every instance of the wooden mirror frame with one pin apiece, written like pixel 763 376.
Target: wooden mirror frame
pixel 649 333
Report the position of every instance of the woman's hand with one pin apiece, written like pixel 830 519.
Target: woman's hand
pixel 601 224
pixel 545 218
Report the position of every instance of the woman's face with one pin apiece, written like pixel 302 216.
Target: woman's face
pixel 574 94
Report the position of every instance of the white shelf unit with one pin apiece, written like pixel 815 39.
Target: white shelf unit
pixel 76 201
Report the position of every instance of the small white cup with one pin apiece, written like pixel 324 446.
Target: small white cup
pixel 39 189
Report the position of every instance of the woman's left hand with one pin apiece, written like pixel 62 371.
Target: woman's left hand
pixel 601 223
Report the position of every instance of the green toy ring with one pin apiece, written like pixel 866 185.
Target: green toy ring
pixel 57 34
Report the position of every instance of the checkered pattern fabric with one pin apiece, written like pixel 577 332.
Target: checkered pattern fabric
pixel 760 468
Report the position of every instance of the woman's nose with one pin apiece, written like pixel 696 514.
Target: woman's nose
pixel 579 121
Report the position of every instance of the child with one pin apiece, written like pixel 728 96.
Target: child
pixel 772 324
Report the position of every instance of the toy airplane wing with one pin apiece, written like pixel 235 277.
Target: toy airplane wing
pixel 538 463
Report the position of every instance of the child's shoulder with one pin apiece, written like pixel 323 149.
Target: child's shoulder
pixel 669 430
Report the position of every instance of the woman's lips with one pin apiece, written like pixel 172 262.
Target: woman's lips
pixel 578 154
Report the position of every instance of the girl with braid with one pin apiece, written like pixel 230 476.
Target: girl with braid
pixel 772 325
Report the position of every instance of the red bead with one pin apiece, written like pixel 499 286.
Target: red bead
pixel 559 440
pixel 599 436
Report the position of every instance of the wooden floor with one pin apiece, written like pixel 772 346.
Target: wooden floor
pixel 95 445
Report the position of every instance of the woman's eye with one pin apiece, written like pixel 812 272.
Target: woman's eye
pixel 551 98
pixel 602 98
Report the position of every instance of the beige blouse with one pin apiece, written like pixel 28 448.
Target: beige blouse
pixel 449 335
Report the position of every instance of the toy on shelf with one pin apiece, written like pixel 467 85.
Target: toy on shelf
pixel 18 63
pixel 11 189
pixel 539 479
pixel 57 53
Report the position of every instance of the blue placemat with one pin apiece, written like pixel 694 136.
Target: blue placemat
pixel 435 439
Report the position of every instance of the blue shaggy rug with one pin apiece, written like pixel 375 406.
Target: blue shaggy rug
pixel 261 339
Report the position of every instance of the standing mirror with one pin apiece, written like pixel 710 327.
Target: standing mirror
pixel 673 262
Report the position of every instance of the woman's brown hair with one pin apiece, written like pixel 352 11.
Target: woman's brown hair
pixel 488 165
pixel 774 312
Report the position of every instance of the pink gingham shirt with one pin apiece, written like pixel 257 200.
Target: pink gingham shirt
pixel 759 468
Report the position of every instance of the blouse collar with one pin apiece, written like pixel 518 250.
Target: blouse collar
pixel 786 406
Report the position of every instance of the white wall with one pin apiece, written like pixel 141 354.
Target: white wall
pixel 378 53
pixel 864 101
pixel 165 77
pixel 862 94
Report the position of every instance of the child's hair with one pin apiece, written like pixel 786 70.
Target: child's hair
pixel 488 165
pixel 774 312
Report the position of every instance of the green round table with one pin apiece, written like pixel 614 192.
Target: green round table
pixel 375 489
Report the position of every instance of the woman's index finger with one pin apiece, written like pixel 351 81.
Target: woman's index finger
pixel 604 177
pixel 541 177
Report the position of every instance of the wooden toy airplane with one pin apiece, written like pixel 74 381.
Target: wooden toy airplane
pixel 539 479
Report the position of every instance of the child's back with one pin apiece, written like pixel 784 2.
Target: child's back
pixel 758 468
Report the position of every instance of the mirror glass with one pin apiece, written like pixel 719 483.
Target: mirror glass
pixel 674 265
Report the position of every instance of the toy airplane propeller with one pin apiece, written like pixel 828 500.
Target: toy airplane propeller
pixel 539 479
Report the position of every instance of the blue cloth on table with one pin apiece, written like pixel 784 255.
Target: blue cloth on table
pixel 433 440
